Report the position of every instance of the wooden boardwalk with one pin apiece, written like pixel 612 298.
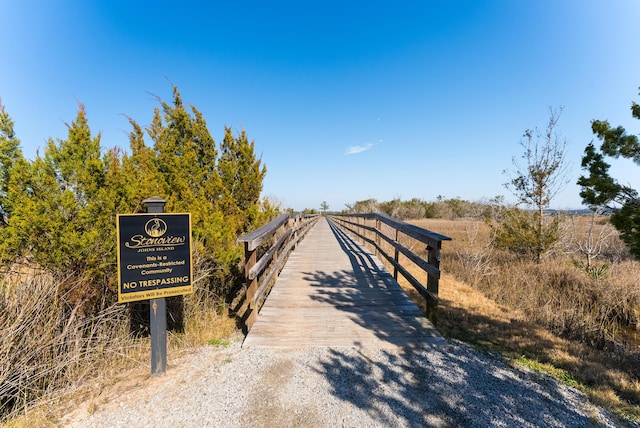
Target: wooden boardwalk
pixel 332 292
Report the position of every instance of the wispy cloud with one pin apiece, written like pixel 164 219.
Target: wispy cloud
pixel 358 149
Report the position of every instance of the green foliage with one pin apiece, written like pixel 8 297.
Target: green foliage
pixel 535 183
pixel 627 221
pixel 412 209
pixel 56 215
pixel 595 272
pixel 600 190
pixel 219 343
pixel 241 176
pixel 517 231
pixel 558 373
pixel 10 157
pixel 60 209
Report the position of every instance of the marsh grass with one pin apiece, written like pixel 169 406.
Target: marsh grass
pixel 47 344
pixel 53 356
pixel 554 316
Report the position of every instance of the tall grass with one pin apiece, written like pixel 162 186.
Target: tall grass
pixel 556 312
pixel 49 347
pixel 597 307
pixel 46 342
pixel 565 299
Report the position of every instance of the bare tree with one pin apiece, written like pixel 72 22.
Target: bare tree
pixel 539 175
pixel 593 241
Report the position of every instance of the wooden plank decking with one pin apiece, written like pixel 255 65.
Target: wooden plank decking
pixel 332 292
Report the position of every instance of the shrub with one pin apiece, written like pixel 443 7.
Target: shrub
pixel 522 233
pixel 60 210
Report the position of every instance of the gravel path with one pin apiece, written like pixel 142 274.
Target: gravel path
pixel 442 386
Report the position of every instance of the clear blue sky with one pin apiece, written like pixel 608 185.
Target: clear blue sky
pixel 346 100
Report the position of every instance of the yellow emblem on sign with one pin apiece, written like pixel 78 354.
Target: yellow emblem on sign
pixel 156 227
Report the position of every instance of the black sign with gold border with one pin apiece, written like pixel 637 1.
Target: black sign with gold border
pixel 154 256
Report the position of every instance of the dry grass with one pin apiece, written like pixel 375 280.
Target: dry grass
pixel 466 314
pixel 552 316
pixel 46 343
pixel 205 319
pixel 52 357
pixel 577 324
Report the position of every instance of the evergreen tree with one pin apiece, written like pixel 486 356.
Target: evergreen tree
pixel 241 174
pixel 176 154
pixel 140 176
pixel 185 163
pixel 63 214
pixel 62 230
pixel 60 210
pixel 10 156
pixel 600 190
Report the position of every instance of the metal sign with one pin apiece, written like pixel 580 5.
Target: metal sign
pixel 154 256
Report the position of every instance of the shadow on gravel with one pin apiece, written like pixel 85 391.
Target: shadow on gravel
pixel 445 388
pixel 426 384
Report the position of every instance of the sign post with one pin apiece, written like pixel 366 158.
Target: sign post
pixel 158 312
pixel 154 262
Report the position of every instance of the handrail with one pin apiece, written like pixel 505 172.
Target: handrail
pixel 262 267
pixel 431 265
pixel 258 236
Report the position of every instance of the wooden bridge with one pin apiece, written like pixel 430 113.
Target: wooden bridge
pixel 332 291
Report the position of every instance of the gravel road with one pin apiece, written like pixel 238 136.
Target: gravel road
pixel 440 386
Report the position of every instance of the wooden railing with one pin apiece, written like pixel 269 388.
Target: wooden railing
pixel 368 227
pixel 265 251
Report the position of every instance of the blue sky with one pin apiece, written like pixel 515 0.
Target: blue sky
pixel 345 100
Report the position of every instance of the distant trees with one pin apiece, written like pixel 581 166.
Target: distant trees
pixel 411 209
pixel 363 207
pixel 600 190
pixel 417 208
pixel 59 210
pixel 535 183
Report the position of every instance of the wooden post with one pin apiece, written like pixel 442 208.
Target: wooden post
pixel 252 285
pixel 378 232
pixel 297 220
pixel 433 258
pixel 157 311
pixel 396 257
